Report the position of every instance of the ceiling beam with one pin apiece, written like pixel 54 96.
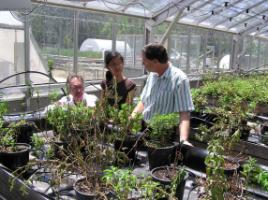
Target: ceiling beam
pixel 240 12
pixel 247 19
pixel 217 11
pixel 171 10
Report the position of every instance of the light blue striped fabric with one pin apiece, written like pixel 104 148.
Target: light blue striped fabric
pixel 166 94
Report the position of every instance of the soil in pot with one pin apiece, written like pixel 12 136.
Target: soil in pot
pixel 17 159
pixel 165 175
pixel 85 192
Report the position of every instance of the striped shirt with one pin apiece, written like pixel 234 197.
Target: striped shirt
pixel 166 94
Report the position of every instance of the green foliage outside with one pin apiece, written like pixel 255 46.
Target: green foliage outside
pixel 70 52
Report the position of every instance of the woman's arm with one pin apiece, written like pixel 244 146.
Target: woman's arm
pixel 130 96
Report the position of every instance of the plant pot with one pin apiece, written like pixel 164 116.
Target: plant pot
pixel 14 160
pixel 194 157
pixel 85 195
pixel 82 195
pixel 261 108
pixel 128 146
pixel 231 167
pixel 25 133
pixel 60 149
pixel 161 156
pixel 164 175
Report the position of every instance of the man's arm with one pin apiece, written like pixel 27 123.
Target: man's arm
pixel 184 126
pixel 138 109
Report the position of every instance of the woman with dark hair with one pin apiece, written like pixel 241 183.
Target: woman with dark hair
pixel 116 87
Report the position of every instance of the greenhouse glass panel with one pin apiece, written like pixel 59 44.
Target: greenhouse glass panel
pixel 94 38
pixel 12 51
pixel 247 60
pixel 130 42
pixel 254 53
pixel 52 36
pixel 262 54
pixel 12 56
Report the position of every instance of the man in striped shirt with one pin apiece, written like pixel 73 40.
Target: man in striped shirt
pixel 166 91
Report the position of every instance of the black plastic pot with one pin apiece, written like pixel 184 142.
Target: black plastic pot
pixel 194 157
pixel 60 148
pixel 230 172
pixel 161 156
pixel 129 145
pixel 14 160
pixel 25 133
pixel 166 182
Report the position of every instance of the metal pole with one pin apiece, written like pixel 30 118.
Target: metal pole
pixel 27 60
pixel 76 29
pixel 259 48
pixel 114 31
pixel 173 23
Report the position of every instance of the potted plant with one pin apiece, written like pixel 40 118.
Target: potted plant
pixel 71 124
pixel 125 132
pixel 13 155
pixel 126 185
pixel 161 134
pixel 172 179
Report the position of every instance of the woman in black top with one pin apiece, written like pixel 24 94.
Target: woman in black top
pixel 116 87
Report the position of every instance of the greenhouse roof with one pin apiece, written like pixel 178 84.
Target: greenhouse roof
pixel 244 17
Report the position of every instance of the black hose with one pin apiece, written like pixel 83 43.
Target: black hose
pixel 33 72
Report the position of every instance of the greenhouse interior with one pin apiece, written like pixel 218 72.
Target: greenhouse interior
pixel 134 99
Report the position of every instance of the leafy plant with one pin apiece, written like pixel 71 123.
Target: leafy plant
pixel 124 182
pixel 216 180
pixel 39 149
pixel 163 128
pixel 255 174
pixel 8 134
pixel 66 119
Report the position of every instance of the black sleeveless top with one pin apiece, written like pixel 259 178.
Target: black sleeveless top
pixel 122 89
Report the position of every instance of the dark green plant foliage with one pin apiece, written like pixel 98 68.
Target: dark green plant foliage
pixel 121 118
pixel 216 180
pixel 123 182
pixel 254 174
pixel 162 128
pixel 64 119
